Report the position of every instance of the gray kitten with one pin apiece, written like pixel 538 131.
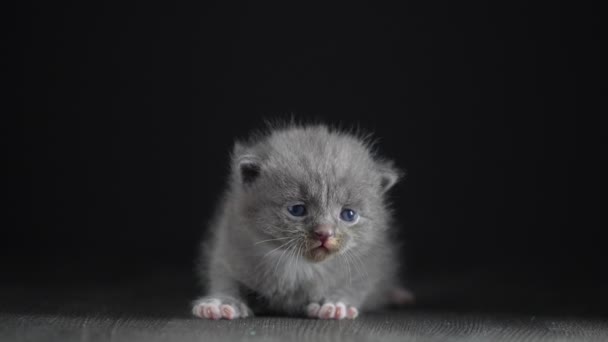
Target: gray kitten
pixel 302 229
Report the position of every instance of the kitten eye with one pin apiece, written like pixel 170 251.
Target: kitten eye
pixel 348 215
pixel 297 210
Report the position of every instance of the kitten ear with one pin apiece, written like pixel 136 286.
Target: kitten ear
pixel 249 169
pixel 389 175
pixel 248 165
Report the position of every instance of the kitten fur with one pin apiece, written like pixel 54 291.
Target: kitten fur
pixel 260 258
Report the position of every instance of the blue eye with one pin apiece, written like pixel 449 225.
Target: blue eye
pixel 348 215
pixel 297 210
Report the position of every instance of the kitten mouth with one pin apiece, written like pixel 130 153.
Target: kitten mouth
pixel 318 254
pixel 319 251
pixel 317 244
pixel 322 248
pixel 328 245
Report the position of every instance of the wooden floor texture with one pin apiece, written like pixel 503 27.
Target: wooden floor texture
pixel 402 326
pixel 156 308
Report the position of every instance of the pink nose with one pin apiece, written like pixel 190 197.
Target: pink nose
pixel 323 234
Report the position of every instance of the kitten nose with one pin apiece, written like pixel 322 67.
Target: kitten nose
pixel 322 233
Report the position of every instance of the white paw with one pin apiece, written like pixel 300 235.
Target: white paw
pixel 218 308
pixel 329 310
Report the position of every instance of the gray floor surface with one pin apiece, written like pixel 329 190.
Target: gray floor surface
pixel 401 326
pixel 153 308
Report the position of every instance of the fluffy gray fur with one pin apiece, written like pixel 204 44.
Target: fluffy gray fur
pixel 260 258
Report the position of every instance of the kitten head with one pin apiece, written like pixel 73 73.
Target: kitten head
pixel 312 191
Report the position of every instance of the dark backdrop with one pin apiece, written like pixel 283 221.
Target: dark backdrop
pixel 125 116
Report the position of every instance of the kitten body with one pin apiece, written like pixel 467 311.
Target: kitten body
pixel 284 240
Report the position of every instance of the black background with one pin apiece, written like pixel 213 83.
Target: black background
pixel 125 116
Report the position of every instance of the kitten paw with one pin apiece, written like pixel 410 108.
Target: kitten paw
pixel 329 310
pixel 218 308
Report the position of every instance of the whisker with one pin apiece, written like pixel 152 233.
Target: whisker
pixel 345 260
pixel 349 261
pixel 292 256
pixel 297 256
pixel 285 244
pixel 362 268
pixel 288 252
pixel 282 238
pixel 289 245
